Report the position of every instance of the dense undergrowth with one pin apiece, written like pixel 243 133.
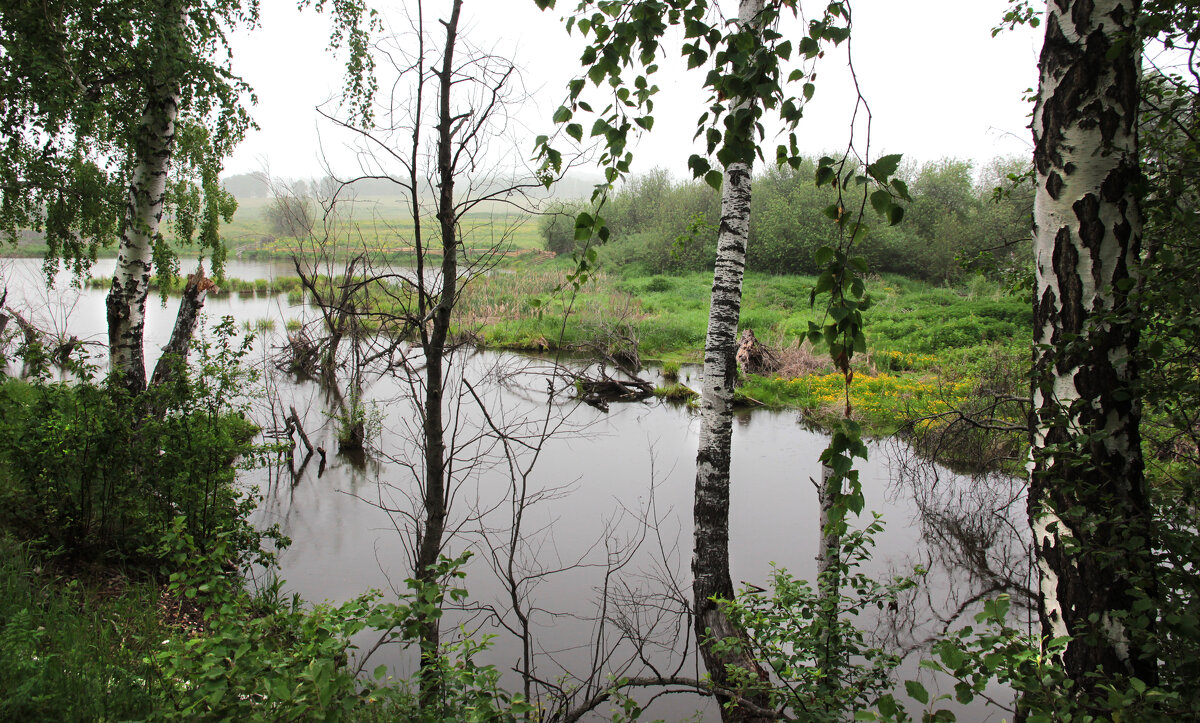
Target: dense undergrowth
pixel 133 587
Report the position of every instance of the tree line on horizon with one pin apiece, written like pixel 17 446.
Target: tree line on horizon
pixel 962 220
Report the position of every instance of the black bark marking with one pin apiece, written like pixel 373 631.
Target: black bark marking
pixel 1081 15
pixel 1070 290
pixel 1054 185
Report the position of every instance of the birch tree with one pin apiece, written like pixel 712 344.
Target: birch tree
pixel 116 115
pixel 153 145
pixel 746 80
pixel 1088 504
pixel 711 580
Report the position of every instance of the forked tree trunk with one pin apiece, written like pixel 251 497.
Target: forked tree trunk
pixel 131 277
pixel 1088 506
pixel 710 560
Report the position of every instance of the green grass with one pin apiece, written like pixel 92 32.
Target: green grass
pixel 676 393
pixel 381 225
pixel 927 345
pixel 73 648
pixel 911 326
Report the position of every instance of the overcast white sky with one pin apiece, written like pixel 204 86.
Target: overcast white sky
pixel 938 84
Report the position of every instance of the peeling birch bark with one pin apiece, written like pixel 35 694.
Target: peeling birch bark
pixel 131 277
pixel 710 558
pixel 1088 506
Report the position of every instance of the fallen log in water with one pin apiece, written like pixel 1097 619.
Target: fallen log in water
pixel 600 391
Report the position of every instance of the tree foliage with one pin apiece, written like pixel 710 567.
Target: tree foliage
pixel 962 221
pixel 76 78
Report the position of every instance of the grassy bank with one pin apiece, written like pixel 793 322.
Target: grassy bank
pixel 927 344
pixel 912 326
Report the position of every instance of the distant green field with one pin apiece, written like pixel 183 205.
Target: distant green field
pixel 376 224
pixel 373 224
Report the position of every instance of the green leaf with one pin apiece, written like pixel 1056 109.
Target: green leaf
pixel 881 201
pixel 916 691
pixel 714 179
pixel 575 131
pixel 583 226
pixel 887 706
pixel 562 115
pixel 883 169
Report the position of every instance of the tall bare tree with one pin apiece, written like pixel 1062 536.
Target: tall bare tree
pixel 435 141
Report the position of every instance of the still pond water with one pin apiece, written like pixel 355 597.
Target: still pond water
pixel 608 498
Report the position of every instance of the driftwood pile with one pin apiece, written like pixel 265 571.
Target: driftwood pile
pixel 601 389
pixel 753 357
pixel 301 354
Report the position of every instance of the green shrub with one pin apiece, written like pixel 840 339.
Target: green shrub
pixel 658 284
pixel 92 469
pixel 809 637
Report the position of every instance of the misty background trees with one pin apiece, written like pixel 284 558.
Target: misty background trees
pixel 963 221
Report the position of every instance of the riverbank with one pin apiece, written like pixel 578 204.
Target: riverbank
pixel 929 347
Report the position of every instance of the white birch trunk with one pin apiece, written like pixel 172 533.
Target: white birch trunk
pixel 1087 496
pixel 710 560
pixel 131 278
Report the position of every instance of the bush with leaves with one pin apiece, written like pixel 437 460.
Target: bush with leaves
pixel 824 667
pixel 262 659
pixel 996 651
pixel 94 469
